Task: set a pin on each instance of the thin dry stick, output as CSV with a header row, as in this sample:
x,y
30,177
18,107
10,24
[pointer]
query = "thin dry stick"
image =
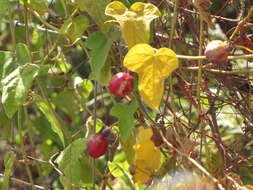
x,y
194,162
241,24
24,182
199,83
187,57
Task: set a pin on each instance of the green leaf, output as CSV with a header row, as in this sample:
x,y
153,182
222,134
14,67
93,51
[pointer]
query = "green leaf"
x,y
43,127
100,46
16,86
83,87
50,115
125,115
5,63
119,165
8,164
5,122
38,5
73,28
70,165
96,9
65,101
23,54
4,5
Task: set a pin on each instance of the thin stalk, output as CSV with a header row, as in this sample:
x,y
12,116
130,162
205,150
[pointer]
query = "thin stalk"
x,y
12,28
173,23
23,148
199,81
51,50
26,25
94,131
64,4
46,23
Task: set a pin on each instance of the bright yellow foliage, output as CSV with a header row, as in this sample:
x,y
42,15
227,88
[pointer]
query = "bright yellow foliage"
x,y
152,66
147,156
134,22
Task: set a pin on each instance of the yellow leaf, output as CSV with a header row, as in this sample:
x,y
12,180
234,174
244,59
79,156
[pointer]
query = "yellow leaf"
x,y
134,22
152,66
147,158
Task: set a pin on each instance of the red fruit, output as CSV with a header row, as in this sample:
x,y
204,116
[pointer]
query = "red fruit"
x,y
97,145
148,182
121,84
156,137
217,51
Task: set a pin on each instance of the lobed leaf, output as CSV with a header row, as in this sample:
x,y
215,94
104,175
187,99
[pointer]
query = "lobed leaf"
x,y
148,157
134,22
73,168
125,115
100,46
152,66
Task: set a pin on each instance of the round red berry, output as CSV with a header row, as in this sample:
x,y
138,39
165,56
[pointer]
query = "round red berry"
x,y
97,145
121,84
217,51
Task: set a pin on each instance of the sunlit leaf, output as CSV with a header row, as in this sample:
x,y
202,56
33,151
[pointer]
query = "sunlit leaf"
x,y
16,86
134,22
119,166
152,66
6,64
83,87
147,159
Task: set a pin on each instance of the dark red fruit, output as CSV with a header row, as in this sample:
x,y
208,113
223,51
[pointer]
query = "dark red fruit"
x,y
217,51
97,145
121,84
148,182
156,137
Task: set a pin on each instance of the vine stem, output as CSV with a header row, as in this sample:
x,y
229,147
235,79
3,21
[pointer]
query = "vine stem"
x,y
173,23
12,28
28,171
46,23
241,23
172,31
202,57
26,25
